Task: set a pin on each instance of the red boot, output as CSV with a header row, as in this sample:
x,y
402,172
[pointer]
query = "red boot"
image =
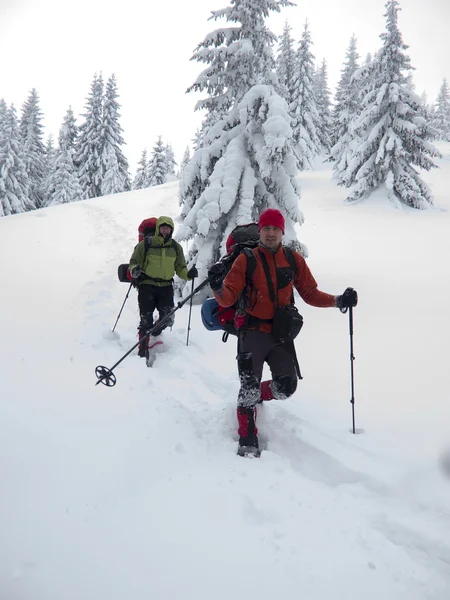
x,y
248,432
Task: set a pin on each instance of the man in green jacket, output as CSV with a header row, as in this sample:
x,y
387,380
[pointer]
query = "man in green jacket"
x,y
153,264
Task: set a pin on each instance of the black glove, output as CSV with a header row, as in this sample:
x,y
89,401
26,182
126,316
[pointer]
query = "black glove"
x,y
135,272
216,275
192,273
348,299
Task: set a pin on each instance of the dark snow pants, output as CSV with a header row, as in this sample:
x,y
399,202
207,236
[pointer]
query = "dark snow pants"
x,y
254,349
151,297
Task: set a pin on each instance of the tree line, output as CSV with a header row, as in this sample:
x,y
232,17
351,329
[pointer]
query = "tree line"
x,y
266,118
88,160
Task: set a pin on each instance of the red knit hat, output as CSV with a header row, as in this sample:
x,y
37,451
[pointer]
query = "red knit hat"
x,y
271,217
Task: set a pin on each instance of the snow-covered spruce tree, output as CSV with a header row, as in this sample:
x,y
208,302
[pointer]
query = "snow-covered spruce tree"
x,y
112,182
323,103
306,120
113,141
31,136
197,139
426,111
185,160
63,184
285,64
141,180
3,115
157,167
441,119
50,157
424,101
13,174
90,142
238,56
393,136
68,133
346,100
256,169
171,163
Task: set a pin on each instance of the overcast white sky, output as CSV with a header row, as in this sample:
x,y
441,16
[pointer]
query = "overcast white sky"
x,y
56,46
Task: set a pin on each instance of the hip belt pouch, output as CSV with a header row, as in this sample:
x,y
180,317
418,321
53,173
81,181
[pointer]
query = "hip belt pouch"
x,y
287,323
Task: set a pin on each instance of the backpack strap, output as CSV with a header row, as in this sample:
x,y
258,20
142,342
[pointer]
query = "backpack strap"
x,y
272,294
251,264
291,259
147,243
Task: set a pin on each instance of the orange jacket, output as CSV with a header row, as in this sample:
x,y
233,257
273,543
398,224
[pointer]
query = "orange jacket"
x,y
259,303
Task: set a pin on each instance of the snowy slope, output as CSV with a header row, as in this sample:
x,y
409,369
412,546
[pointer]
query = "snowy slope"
x,y
136,492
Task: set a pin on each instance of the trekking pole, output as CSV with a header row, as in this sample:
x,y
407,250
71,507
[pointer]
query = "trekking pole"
x,y
126,297
106,376
190,312
352,358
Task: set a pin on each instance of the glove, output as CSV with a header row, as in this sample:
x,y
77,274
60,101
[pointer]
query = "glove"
x,y
348,299
216,275
192,273
135,272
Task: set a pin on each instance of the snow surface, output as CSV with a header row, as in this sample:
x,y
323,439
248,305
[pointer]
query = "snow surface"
x,y
136,491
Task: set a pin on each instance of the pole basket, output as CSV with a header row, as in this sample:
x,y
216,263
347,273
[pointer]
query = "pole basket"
x,y
105,376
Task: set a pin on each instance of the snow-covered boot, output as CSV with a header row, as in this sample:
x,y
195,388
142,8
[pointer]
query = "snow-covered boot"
x,y
248,432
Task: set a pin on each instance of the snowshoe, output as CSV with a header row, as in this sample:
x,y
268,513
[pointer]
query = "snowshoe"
x,y
248,446
151,351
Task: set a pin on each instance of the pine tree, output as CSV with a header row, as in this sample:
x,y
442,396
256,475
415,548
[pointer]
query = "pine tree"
x,y
90,142
157,167
50,157
63,185
171,163
346,110
68,134
246,162
185,160
285,64
424,101
112,180
141,179
197,139
13,175
306,120
31,136
393,136
323,103
441,120
237,57
346,98
113,140
3,116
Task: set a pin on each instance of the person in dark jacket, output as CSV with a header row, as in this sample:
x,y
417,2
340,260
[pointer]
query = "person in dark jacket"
x,y
153,265
256,343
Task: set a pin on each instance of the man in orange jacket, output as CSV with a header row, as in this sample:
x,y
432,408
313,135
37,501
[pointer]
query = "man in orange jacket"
x,y
270,288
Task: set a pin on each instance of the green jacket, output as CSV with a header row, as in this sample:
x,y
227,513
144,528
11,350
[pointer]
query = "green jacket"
x,y
162,260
